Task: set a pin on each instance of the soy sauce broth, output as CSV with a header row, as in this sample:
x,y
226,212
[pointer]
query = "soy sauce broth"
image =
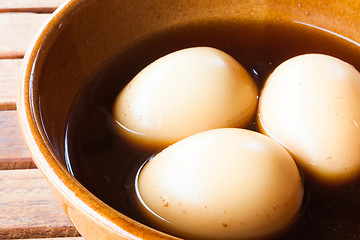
x,y
106,165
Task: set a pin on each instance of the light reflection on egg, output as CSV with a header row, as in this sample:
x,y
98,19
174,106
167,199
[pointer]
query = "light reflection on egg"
x,y
183,93
311,105
221,184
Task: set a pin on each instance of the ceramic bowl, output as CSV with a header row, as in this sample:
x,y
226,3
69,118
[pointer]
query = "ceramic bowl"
x,y
81,35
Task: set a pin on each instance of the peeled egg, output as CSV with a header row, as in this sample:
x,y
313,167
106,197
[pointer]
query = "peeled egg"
x,y
183,93
221,184
311,105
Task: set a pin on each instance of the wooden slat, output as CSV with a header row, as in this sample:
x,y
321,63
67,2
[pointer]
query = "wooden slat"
x,y
39,6
13,151
29,209
9,77
65,238
16,32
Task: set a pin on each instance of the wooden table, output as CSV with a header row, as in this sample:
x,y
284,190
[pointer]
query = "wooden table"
x,y
28,210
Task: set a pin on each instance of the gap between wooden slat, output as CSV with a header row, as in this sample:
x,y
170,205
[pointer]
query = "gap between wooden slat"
x,y
29,209
13,151
38,6
9,78
17,31
32,10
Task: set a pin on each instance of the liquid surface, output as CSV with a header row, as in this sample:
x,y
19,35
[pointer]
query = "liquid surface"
x,y
106,165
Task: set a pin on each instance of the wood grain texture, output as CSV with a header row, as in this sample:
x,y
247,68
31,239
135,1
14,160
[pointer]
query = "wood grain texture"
x,y
13,151
38,6
16,32
65,238
29,209
9,77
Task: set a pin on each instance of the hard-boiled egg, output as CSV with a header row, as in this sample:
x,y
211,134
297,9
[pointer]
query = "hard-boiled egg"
x,y
311,105
183,93
221,184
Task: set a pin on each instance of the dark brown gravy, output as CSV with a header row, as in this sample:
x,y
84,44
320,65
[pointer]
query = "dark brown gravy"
x,y
106,165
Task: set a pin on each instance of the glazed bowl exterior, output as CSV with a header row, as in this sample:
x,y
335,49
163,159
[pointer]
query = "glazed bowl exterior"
x,y
81,35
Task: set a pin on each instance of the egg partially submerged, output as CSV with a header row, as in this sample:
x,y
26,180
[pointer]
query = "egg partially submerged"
x,y
311,105
183,93
221,184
